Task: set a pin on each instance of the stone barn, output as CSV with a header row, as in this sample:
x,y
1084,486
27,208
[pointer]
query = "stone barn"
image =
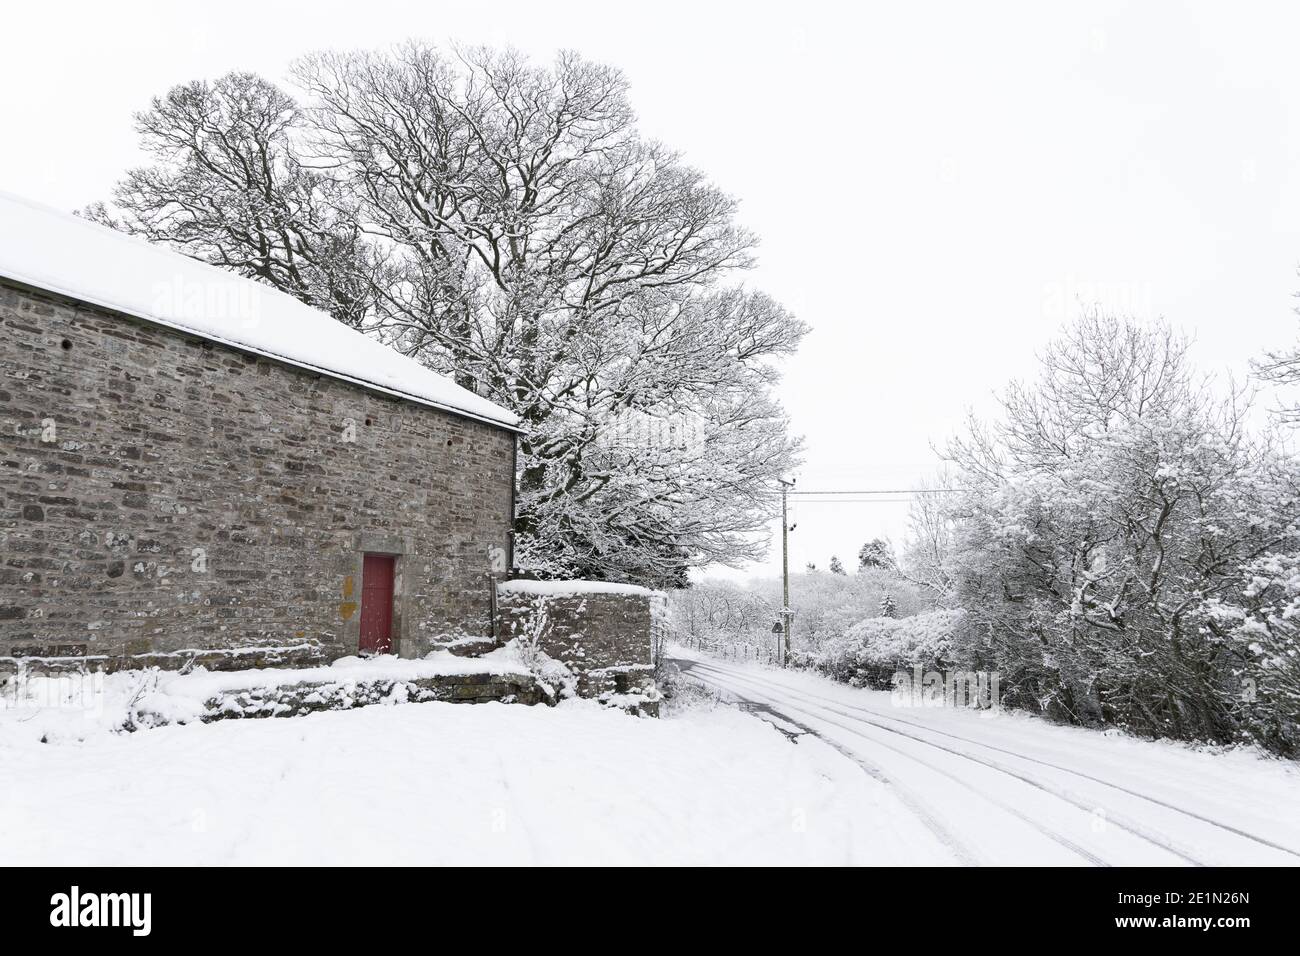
x,y
196,467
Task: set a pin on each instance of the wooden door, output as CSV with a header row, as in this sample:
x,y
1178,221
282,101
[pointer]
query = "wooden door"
x,y
377,604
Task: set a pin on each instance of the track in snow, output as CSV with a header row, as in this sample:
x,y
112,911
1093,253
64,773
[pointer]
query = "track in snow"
x,y
1008,808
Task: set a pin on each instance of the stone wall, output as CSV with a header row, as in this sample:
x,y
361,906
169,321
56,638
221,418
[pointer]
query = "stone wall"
x,y
603,633
294,700
162,494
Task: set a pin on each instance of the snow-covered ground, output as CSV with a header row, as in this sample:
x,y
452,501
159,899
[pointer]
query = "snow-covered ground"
x,y
814,773
1009,788
443,783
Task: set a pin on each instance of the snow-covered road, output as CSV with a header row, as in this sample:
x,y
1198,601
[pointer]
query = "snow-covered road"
x,y
1006,788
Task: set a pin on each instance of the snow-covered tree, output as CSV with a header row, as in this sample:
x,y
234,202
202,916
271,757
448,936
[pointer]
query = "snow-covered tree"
x,y
825,605
1106,517
505,223
1282,368
836,566
1260,625
888,606
876,553
927,550
231,187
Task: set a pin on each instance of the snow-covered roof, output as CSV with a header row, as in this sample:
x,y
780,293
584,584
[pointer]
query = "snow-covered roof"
x,y
60,253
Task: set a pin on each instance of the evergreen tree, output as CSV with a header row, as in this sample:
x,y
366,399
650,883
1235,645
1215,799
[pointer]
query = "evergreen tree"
x,y
876,553
888,606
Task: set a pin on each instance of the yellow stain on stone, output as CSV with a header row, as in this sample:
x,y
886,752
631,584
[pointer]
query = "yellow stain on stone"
x,y
348,607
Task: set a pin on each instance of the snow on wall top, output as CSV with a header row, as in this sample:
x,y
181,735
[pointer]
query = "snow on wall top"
x,y
204,685
58,252
568,588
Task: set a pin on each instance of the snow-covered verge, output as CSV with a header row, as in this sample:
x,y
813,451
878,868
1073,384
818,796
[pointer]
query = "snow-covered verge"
x,y
445,784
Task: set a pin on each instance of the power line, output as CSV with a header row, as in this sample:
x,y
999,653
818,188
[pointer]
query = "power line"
x,y
856,501
882,491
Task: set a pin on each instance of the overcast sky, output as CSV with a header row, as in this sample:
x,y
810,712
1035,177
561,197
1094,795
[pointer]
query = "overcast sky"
x,y
936,186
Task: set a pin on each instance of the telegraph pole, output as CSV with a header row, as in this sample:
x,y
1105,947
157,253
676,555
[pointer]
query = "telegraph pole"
x,y
785,569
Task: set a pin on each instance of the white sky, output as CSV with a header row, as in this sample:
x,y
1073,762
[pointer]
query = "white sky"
x,y
935,185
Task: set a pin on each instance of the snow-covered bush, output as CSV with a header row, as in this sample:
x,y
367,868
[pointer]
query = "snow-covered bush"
x,y
1261,624
681,693
870,652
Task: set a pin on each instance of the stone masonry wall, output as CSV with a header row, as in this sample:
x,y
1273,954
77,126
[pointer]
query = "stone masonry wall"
x,y
161,494
606,639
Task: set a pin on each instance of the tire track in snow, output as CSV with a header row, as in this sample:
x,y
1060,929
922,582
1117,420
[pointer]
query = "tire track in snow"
x,y
1130,826
910,800
932,822
1125,823
808,695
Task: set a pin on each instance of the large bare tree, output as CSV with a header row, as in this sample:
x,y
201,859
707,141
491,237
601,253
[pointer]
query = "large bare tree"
x,y
505,223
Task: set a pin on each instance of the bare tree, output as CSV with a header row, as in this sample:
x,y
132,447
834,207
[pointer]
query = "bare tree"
x,y
506,224
927,551
1282,368
230,188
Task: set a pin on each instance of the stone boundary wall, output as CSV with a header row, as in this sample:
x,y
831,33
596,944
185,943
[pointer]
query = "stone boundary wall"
x,y
292,700
601,632
233,659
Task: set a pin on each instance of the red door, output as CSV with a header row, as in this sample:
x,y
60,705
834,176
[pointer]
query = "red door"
x,y
377,604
